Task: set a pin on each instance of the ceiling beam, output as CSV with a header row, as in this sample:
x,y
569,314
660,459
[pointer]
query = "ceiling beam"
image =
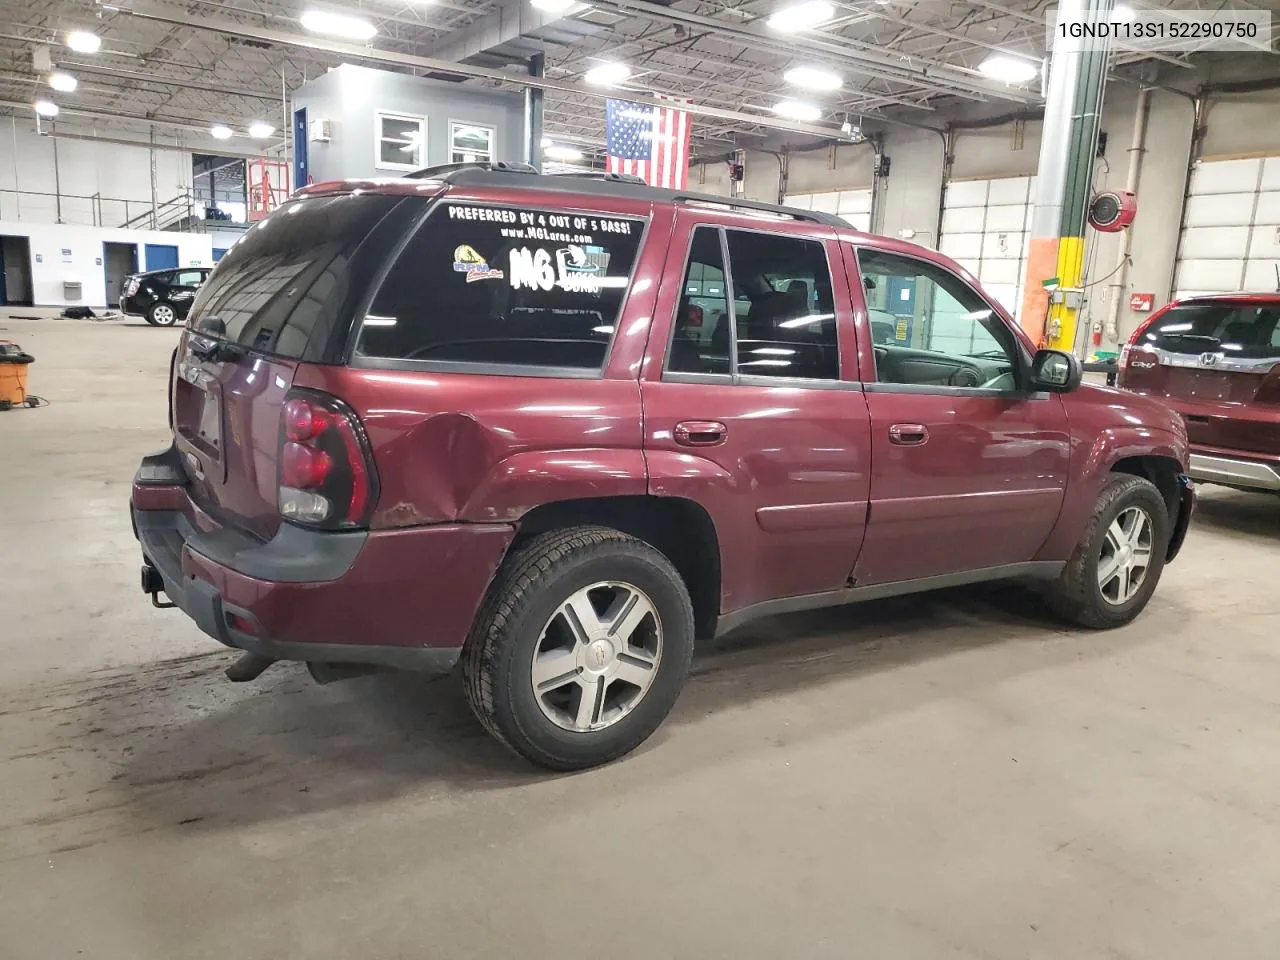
x,y
403,61
954,80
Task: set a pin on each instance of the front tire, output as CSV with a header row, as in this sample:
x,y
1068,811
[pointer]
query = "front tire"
x,y
580,648
1117,564
162,314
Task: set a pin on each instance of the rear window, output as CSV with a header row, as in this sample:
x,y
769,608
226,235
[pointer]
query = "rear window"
x,y
1248,331
512,287
289,276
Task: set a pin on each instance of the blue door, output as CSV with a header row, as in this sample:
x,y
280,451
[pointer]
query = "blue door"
x,y
219,253
161,256
300,169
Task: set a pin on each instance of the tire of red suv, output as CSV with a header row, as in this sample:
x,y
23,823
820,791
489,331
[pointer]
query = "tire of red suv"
x,y
1117,564
580,648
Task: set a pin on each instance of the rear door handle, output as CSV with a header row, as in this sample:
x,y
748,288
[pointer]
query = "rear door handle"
x,y
700,433
909,434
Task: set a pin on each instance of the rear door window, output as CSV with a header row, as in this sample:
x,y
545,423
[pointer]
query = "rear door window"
x,y
1244,331
290,277
517,289
773,317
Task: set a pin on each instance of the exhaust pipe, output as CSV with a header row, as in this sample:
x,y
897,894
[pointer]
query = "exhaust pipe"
x,y
248,667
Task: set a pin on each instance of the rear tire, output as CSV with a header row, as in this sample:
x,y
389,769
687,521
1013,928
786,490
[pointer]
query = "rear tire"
x,y
580,648
162,314
1117,564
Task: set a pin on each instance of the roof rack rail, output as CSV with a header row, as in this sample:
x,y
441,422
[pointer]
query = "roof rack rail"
x,y
493,166
608,184
602,175
777,209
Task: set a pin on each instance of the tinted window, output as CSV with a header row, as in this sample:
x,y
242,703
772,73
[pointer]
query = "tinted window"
x,y
1247,331
505,285
775,314
931,328
189,278
701,340
288,275
165,279
788,328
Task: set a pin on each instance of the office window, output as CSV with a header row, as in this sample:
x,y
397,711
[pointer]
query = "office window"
x,y
401,141
470,142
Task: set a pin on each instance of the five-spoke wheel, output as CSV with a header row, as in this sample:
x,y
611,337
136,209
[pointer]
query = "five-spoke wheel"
x,y
1126,555
581,647
597,656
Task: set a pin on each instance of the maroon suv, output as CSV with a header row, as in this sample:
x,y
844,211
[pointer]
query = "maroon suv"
x,y
1216,359
561,427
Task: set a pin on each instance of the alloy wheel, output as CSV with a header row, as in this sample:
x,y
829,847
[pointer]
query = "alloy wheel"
x,y
597,656
1126,555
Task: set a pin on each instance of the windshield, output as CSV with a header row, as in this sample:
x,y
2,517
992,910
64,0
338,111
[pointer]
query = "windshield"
x,y
1245,330
289,276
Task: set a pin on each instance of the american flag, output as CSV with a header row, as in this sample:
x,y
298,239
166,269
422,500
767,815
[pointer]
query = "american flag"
x,y
648,141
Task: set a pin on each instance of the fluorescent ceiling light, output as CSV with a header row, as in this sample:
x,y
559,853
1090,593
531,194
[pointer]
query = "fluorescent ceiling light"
x,y
46,108
813,78
795,110
338,25
552,6
220,131
1009,69
1123,14
82,41
569,154
607,74
62,81
802,16
260,130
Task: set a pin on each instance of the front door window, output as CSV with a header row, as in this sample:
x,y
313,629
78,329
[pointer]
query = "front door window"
x,y
932,329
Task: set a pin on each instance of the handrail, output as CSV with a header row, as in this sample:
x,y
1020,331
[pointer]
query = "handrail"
x,y
178,212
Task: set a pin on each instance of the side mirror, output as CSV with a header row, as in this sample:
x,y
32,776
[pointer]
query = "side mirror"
x,y
1055,371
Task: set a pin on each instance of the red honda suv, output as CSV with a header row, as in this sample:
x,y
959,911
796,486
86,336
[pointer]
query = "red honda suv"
x,y
558,428
1216,360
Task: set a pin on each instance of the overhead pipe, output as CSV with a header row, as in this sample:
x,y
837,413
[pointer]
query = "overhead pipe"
x,y
966,83
466,70
1137,148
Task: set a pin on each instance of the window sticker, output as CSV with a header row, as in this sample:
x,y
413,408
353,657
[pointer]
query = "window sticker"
x,y
542,227
575,268
466,259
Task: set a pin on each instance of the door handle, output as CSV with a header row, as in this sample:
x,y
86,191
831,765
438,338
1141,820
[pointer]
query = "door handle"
x,y
909,434
700,433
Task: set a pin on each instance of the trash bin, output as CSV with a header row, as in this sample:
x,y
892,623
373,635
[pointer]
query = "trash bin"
x,y
13,374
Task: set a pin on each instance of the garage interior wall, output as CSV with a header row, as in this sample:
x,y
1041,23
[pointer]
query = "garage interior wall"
x,y
114,172
1002,157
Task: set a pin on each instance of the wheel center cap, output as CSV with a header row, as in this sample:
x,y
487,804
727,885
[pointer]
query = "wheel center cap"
x,y
598,656
1125,555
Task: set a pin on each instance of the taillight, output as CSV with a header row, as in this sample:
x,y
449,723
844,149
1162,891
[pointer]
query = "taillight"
x,y
131,287
1126,352
325,468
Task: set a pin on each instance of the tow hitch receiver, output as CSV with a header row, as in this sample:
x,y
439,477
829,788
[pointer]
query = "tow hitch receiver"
x,y
153,584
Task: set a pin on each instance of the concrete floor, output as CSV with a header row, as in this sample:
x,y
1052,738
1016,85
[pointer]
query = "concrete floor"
x,y
952,776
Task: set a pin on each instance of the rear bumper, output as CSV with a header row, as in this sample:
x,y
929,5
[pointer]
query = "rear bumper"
x,y
1235,471
401,598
